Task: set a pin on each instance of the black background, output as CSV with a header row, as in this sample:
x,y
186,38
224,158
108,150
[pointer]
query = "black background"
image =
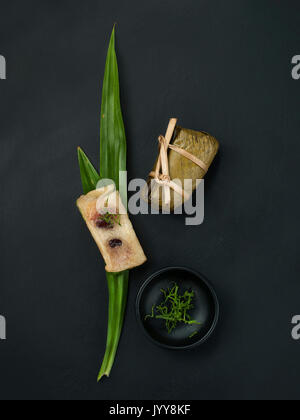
x,y
220,66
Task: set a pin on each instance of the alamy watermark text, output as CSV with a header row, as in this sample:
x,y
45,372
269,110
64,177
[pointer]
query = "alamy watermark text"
x,y
296,67
2,67
2,328
139,202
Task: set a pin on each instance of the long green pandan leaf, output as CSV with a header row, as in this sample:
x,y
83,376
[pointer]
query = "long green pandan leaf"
x,y
112,161
113,150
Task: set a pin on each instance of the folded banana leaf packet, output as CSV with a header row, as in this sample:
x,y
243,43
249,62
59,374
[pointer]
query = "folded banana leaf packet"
x,y
184,154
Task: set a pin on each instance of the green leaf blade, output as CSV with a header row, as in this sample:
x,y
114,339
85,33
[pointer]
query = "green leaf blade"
x,y
113,148
89,175
113,155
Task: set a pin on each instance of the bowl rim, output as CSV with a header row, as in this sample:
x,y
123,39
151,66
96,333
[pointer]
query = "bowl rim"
x,y
202,278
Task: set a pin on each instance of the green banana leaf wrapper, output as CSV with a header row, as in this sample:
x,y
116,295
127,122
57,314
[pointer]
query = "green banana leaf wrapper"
x,y
198,143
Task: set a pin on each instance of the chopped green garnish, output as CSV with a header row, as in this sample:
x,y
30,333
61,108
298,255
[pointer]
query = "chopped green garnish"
x,y
111,219
174,309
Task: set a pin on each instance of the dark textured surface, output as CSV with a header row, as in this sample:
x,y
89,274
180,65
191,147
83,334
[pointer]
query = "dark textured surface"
x,y
219,66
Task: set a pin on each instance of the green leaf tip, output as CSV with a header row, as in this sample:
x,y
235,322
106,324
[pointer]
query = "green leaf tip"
x,y
102,376
89,175
113,37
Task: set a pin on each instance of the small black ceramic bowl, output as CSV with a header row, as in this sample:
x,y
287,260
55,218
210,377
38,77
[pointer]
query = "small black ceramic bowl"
x,y
206,308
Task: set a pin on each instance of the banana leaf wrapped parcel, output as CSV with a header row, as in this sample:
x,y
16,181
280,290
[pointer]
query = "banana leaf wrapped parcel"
x,y
184,155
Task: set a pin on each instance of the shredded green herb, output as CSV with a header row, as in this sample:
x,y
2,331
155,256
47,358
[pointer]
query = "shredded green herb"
x,y
174,309
111,219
